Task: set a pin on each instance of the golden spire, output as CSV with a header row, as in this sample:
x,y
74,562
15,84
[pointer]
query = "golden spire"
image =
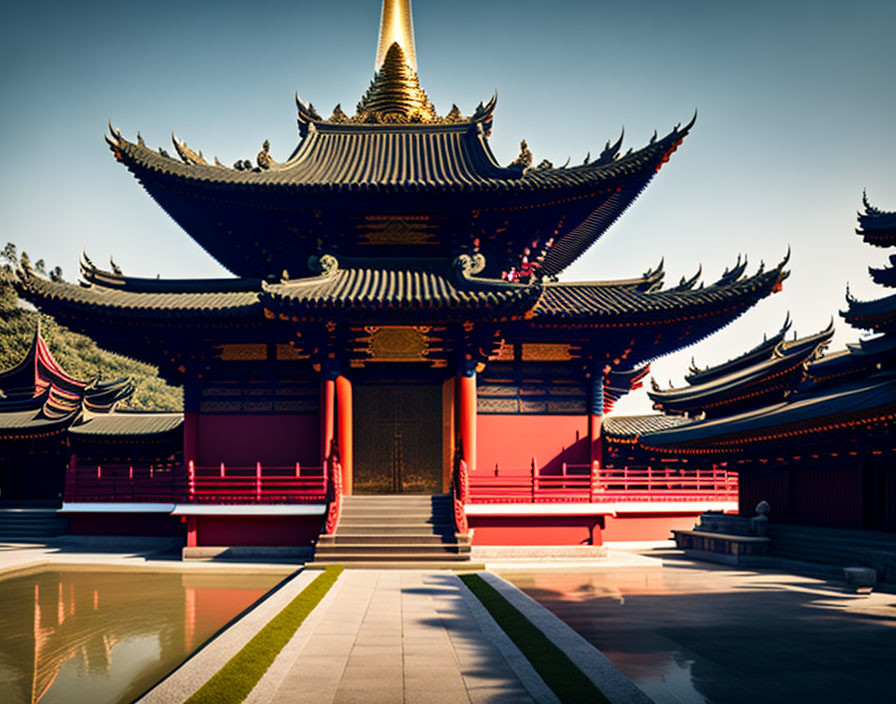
x,y
396,25
395,94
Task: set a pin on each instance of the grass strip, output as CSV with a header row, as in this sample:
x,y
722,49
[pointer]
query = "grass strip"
x,y
559,673
234,681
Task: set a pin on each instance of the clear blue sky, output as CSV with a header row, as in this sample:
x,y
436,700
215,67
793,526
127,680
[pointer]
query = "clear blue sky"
x,y
797,107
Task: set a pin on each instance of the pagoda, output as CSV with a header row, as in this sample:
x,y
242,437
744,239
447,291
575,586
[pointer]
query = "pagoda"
x,y
395,303
40,403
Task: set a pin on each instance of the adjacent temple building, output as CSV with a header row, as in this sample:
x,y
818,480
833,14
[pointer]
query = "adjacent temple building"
x,y
394,324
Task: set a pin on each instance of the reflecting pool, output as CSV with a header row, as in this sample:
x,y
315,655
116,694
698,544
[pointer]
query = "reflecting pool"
x,y
695,632
73,635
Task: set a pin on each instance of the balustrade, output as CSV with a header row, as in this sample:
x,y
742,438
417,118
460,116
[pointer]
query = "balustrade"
x,y
584,483
199,484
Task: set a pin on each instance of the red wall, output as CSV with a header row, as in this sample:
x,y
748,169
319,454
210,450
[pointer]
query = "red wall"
x,y
510,441
290,531
536,530
137,524
647,526
243,440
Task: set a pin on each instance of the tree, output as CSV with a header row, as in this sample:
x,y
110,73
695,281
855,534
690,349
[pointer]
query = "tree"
x,y
9,255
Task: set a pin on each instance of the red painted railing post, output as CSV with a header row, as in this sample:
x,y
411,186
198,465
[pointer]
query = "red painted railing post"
x,y
221,470
99,472
298,470
258,482
191,480
592,488
460,488
534,480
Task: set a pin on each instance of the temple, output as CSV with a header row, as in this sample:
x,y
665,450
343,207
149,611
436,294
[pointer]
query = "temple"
x,y
809,435
395,325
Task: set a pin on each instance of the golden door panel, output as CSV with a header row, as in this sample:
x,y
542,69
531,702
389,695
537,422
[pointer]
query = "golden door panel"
x,y
397,439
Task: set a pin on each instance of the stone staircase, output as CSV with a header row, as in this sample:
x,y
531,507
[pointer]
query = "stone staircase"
x,y
30,524
401,531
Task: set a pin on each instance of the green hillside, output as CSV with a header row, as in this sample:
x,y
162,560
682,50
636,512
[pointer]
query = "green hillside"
x,y
78,355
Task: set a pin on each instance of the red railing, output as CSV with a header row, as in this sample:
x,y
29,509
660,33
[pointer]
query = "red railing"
x,y
578,483
221,484
123,483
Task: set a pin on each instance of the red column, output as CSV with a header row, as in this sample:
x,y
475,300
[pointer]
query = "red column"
x,y
327,417
344,430
191,531
466,402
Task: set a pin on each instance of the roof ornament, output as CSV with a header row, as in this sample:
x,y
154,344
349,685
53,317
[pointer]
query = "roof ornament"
x,y
524,160
467,265
323,264
395,94
187,155
264,158
115,268
869,209
338,114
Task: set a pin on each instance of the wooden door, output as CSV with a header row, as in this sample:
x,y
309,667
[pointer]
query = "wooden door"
x,y
397,439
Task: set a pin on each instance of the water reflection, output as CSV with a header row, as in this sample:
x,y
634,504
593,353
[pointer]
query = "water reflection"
x,y
112,634
694,632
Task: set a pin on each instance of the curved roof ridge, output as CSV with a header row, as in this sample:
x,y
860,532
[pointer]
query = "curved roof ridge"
x,y
766,348
116,280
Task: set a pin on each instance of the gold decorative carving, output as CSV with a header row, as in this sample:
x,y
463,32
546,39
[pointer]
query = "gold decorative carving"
x,y
397,344
397,229
504,353
546,352
525,157
244,353
288,353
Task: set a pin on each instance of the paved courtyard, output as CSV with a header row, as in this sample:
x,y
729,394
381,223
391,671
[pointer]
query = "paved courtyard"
x,y
394,636
691,631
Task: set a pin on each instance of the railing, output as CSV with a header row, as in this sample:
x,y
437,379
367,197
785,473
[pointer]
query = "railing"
x,y
460,491
221,484
258,484
334,491
123,483
579,483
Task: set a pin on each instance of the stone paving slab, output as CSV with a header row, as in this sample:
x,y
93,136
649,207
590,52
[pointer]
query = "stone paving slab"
x,y
400,636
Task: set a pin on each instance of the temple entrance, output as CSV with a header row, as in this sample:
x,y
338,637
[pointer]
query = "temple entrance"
x,y
397,439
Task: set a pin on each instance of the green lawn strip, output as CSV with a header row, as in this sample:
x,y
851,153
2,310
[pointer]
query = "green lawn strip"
x,y
234,681
559,673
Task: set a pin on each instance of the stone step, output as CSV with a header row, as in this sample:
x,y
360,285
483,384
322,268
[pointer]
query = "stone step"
x,y
395,529
391,548
402,565
388,538
27,523
370,556
392,517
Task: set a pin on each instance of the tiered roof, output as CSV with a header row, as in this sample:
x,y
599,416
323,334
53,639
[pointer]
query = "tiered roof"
x,y
397,215
849,390
771,376
38,397
398,177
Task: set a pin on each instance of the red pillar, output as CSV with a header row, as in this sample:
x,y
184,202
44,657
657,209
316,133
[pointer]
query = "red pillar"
x,y
327,417
344,430
191,531
466,402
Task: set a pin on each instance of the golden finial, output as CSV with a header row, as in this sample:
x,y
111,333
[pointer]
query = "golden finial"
x,y
395,94
396,25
